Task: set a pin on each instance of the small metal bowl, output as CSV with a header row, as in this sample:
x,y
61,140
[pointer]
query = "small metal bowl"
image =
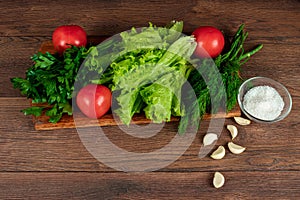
x,y
263,81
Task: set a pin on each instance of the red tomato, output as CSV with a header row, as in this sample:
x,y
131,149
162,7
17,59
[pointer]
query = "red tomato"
x,y
210,41
94,100
65,35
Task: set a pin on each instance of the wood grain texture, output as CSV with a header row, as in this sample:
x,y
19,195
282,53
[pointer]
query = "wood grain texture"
x,y
190,185
269,147
55,164
40,18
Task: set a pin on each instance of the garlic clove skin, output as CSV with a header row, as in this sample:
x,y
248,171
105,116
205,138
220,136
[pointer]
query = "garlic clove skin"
x,y
233,131
235,149
219,153
218,180
209,139
242,121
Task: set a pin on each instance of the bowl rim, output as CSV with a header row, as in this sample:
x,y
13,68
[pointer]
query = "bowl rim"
x,y
280,117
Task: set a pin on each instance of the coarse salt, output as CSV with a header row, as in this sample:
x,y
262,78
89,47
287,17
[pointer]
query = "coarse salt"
x,y
263,102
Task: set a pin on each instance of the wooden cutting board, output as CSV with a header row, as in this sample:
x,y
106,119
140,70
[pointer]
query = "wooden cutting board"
x,y
41,122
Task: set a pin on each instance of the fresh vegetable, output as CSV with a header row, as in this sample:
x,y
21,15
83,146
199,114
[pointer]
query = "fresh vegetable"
x,y
210,41
218,180
219,153
229,66
235,148
51,80
233,131
209,139
65,36
242,121
149,74
94,100
148,71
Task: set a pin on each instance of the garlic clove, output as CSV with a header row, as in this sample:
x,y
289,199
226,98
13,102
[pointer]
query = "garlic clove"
x,y
209,138
218,180
235,149
242,121
219,153
233,131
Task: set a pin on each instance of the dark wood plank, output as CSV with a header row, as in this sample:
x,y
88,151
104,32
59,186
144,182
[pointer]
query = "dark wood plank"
x,y
39,18
56,165
15,59
269,147
190,185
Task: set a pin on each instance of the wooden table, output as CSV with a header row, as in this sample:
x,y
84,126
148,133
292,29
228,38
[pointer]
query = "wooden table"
x,y
56,165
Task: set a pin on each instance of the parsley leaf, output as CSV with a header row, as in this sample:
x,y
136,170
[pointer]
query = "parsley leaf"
x,y
50,80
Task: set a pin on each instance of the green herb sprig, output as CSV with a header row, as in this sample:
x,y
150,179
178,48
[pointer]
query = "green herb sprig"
x,y
229,65
50,82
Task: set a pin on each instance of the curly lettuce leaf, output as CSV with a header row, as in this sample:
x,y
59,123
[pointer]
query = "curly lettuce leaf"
x,y
159,84
148,69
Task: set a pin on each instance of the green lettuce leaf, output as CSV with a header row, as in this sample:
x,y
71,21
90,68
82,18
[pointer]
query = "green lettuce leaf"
x,y
147,71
